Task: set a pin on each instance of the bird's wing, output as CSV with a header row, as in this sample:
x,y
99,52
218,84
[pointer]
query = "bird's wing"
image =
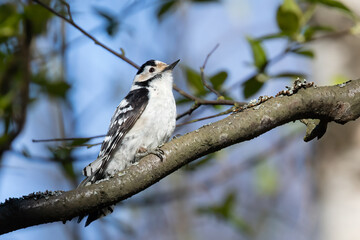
x,y
124,118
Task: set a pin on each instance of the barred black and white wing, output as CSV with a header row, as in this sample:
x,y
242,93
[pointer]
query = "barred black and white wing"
x,y
124,118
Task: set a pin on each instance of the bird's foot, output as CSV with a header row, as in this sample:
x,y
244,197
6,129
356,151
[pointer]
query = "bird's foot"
x,y
142,152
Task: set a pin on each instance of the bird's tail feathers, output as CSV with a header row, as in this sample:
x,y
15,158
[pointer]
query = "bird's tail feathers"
x,y
92,216
93,167
93,174
96,215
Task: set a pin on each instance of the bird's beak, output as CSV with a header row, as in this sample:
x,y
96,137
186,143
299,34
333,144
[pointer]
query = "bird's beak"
x,y
171,66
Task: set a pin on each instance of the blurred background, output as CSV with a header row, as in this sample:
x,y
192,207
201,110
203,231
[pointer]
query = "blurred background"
x,y
57,83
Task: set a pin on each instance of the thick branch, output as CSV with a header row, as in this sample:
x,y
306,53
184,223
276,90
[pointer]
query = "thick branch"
x,y
339,103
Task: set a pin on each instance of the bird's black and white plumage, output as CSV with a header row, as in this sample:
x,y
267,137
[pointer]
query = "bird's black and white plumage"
x,y
144,120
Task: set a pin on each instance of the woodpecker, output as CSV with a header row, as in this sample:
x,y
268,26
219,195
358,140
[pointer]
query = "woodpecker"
x,y
143,121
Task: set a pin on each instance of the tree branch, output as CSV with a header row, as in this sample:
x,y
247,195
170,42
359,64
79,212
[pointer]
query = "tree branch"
x,y
67,139
202,74
72,23
198,101
340,103
230,110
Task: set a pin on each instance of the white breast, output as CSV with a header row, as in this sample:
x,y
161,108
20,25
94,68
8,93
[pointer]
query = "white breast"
x,y
159,117
154,127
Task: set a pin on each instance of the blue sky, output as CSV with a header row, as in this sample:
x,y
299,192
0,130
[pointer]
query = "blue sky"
x,y
100,80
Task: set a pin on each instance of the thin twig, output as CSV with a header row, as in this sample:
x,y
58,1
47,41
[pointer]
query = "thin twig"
x,y
68,9
66,139
209,54
185,94
202,74
205,118
188,112
204,101
70,21
221,102
83,145
198,101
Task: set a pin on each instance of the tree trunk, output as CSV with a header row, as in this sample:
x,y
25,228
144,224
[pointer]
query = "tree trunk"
x,y
337,158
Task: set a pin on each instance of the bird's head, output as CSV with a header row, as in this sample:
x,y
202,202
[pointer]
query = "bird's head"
x,y
152,68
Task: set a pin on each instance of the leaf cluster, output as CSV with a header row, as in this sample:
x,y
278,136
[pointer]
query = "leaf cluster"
x,y
23,72
293,19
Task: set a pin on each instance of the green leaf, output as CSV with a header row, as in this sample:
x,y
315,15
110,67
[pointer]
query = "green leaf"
x,y
194,80
68,167
252,85
9,21
112,23
6,11
258,52
78,142
218,79
226,211
38,16
165,7
305,53
289,75
223,209
4,139
168,6
56,88
63,155
271,36
6,102
267,179
335,4
312,30
288,17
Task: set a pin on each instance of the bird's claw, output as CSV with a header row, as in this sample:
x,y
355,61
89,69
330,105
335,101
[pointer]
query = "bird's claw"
x,y
157,152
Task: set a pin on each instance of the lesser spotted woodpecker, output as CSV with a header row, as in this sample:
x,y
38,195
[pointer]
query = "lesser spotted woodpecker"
x,y
144,120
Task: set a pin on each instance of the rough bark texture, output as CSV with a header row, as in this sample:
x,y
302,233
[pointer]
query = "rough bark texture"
x,y
339,103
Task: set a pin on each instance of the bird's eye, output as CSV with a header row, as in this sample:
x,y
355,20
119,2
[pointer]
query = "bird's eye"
x,y
152,70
